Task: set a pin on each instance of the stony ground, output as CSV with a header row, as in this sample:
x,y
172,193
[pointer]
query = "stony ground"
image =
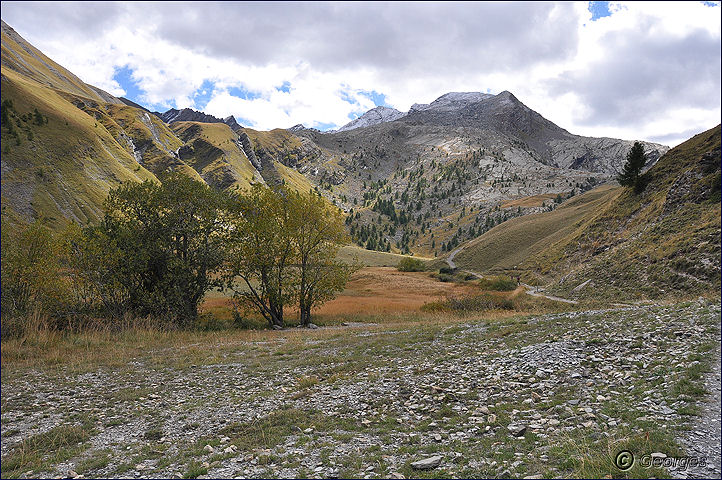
x,y
554,395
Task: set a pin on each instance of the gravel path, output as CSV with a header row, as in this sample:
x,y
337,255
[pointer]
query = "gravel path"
x,y
704,439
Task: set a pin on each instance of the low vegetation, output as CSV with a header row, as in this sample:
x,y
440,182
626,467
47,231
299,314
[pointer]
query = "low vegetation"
x,y
498,283
410,264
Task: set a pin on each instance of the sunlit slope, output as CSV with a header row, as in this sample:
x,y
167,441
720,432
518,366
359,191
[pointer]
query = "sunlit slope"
x,y
277,151
66,143
212,149
145,136
58,163
512,243
22,57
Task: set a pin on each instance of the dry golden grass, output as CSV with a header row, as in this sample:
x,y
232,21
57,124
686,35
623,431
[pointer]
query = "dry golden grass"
x,y
372,290
371,258
377,290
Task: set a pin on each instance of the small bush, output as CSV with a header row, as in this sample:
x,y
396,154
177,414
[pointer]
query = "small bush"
x,y
447,270
409,264
471,304
498,284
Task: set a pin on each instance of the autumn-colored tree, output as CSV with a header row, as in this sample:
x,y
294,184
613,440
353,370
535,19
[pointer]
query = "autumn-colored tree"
x,y
283,249
318,232
171,239
30,268
261,251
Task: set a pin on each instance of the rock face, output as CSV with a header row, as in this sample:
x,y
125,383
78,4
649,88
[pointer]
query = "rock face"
x,y
230,120
606,155
190,115
187,115
373,117
245,145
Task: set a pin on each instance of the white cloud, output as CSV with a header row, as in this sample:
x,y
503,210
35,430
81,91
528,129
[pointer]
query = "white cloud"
x,y
647,71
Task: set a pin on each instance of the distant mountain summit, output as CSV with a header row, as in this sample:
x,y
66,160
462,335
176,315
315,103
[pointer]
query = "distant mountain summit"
x,y
374,116
451,101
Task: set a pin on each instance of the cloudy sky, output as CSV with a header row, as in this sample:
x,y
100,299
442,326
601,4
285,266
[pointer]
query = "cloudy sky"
x,y
628,70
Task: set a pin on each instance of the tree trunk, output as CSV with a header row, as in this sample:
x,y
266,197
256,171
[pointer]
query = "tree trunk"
x,y
305,315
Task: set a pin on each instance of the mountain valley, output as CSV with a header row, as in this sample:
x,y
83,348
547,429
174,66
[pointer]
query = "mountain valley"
x,y
488,298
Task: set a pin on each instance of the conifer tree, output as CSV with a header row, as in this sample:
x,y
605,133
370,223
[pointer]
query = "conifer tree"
x,y
631,172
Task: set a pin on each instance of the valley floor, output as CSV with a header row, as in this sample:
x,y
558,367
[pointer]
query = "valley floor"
x,y
492,396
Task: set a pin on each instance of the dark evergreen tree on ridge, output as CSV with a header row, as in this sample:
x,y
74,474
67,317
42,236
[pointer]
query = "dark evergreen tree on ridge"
x,y
631,175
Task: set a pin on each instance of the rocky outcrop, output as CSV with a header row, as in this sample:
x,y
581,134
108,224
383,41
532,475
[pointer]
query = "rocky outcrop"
x,y
604,155
247,147
450,101
231,122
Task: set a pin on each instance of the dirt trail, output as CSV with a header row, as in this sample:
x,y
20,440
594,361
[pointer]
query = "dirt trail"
x,y
533,291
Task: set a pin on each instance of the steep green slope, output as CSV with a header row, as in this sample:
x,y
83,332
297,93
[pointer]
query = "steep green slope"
x,y
513,242
662,242
58,163
20,56
212,149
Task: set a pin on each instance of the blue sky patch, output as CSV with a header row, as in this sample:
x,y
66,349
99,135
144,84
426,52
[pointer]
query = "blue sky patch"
x,y
324,126
346,97
599,10
286,87
379,99
123,76
244,122
202,95
241,92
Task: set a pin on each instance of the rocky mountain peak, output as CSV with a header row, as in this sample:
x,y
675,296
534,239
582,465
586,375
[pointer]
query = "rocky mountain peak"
x,y
230,120
374,116
451,101
187,115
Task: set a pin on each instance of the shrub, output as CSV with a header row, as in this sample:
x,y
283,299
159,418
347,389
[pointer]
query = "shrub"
x,y
31,277
475,303
409,264
498,284
447,270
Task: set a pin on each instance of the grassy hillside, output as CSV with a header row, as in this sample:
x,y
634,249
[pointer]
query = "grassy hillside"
x,y
371,258
211,149
513,242
66,143
20,56
58,163
615,244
